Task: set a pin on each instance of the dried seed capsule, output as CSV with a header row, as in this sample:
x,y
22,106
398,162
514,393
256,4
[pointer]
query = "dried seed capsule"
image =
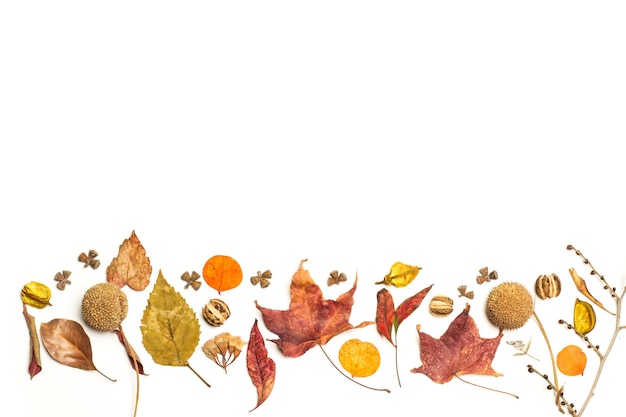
x,y
36,294
441,306
215,312
548,286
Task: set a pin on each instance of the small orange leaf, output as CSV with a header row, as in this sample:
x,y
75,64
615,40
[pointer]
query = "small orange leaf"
x,y
222,273
571,360
359,358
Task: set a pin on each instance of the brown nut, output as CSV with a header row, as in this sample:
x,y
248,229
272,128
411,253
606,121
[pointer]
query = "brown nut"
x,y
441,306
215,312
548,286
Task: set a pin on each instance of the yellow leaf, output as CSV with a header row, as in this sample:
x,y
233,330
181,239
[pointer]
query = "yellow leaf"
x,y
584,317
169,327
36,294
400,275
571,360
359,358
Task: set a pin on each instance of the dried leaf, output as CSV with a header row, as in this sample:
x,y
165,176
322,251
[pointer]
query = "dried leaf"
x,y
67,343
135,362
582,287
385,314
584,317
261,368
360,359
36,294
400,275
387,317
131,266
169,327
35,351
571,360
222,273
459,351
311,319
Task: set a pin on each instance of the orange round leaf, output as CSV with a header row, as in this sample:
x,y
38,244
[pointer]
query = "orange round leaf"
x,y
359,358
222,273
571,360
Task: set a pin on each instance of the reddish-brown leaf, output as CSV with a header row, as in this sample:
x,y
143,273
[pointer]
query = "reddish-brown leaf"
x,y
131,266
135,362
408,306
261,368
459,351
35,352
311,319
388,317
67,343
385,314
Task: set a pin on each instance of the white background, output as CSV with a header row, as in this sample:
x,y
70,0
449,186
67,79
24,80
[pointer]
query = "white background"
x,y
451,135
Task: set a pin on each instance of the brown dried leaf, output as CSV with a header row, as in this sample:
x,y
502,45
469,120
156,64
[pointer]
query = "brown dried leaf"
x,y
261,368
131,266
67,343
581,285
459,351
35,351
311,319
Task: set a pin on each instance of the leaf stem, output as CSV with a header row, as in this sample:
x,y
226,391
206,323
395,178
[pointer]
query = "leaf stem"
x,y
346,376
110,379
545,336
487,388
198,375
395,345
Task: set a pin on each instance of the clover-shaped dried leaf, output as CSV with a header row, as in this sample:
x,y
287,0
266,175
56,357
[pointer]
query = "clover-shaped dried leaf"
x,y
131,266
360,359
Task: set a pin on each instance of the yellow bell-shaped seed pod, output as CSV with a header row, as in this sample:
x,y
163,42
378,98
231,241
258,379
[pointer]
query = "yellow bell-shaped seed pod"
x,y
400,275
584,317
36,294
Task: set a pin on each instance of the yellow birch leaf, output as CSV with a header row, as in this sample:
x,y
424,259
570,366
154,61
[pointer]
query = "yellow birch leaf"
x,y
169,327
359,358
400,275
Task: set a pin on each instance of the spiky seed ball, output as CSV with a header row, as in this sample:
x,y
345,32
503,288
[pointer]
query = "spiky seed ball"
x,y
509,305
104,307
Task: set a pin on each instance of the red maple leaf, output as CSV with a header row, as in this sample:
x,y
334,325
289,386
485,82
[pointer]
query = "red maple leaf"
x,y
311,319
459,351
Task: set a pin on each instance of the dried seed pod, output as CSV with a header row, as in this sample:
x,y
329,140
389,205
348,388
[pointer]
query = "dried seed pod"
x,y
215,312
548,286
509,306
441,306
104,307
36,294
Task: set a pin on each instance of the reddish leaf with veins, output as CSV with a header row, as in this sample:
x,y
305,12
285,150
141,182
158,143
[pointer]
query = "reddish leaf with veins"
x,y
459,351
311,319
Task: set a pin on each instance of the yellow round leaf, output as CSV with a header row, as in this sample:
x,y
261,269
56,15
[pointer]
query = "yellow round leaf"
x,y
359,358
571,360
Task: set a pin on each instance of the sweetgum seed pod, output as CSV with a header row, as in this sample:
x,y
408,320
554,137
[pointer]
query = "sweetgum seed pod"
x,y
104,306
509,306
